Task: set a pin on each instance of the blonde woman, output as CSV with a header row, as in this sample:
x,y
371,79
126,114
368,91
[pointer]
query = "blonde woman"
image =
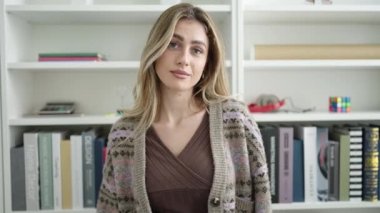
x,y
185,146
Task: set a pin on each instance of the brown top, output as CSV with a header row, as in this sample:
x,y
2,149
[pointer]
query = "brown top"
x,y
183,183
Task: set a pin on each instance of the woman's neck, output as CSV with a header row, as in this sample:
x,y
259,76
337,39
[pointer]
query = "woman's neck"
x,y
176,107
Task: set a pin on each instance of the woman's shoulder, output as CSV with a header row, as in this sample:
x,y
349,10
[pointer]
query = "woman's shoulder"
x,y
121,130
234,105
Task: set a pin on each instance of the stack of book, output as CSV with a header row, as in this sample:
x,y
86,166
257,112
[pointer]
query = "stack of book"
x,y
79,56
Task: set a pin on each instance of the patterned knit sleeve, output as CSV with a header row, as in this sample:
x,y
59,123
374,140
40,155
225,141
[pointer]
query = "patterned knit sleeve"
x,y
258,165
107,199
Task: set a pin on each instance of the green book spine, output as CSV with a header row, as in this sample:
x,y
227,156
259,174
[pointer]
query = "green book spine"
x,y
46,170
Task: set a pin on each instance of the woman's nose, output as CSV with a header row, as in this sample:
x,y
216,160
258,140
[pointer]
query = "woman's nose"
x,y
183,58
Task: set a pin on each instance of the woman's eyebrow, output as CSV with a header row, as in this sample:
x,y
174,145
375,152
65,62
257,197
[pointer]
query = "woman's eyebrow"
x,y
181,38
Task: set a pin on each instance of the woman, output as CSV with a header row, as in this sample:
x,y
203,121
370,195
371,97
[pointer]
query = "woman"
x,y
185,146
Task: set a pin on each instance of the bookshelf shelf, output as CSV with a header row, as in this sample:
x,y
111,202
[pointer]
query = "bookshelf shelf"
x,y
101,14
316,116
62,211
59,66
327,206
312,64
51,120
103,66
312,14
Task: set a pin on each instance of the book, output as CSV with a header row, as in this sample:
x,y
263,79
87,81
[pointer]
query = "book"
x,y
46,170
321,146
18,178
308,134
44,59
311,52
270,140
71,54
89,194
32,188
356,163
66,174
371,164
298,174
342,136
285,171
57,137
333,170
98,163
77,171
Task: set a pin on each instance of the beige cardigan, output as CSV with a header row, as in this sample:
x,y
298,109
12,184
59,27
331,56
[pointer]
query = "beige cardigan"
x,y
240,172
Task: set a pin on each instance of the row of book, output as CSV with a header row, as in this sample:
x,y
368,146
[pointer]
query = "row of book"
x,y
55,170
74,56
316,163
314,52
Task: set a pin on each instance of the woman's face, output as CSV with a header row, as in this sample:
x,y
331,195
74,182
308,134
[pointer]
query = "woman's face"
x,y
181,66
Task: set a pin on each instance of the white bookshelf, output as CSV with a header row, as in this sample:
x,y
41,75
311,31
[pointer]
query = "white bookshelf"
x,y
119,31
309,83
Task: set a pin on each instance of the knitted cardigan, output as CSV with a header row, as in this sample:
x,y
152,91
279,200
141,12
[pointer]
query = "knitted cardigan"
x,y
240,182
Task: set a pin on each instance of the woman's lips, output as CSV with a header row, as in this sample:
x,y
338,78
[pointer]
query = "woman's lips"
x,y
180,74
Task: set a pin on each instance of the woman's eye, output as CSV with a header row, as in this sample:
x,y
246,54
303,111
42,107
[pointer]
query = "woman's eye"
x,y
173,44
197,51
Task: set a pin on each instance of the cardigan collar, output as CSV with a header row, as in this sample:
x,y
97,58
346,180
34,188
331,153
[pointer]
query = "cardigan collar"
x,y
218,152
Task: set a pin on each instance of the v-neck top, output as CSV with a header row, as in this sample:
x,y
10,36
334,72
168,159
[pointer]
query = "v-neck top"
x,y
179,183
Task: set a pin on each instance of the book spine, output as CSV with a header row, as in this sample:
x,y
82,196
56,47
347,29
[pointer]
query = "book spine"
x,y
344,174
333,171
88,169
57,180
298,179
18,178
371,164
98,152
77,172
31,171
69,59
73,54
66,174
46,170
322,146
355,164
310,163
286,165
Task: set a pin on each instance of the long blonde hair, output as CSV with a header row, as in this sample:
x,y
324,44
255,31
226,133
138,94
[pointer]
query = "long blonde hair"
x,y
213,86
